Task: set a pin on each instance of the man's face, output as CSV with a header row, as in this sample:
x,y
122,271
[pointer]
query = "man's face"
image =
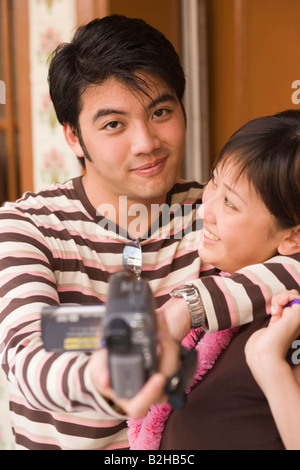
x,y
136,144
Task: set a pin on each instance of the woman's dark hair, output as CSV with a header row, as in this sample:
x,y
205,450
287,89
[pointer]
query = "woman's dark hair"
x,y
112,46
267,151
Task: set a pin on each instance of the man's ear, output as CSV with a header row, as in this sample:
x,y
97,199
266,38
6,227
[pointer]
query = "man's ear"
x,y
72,140
290,245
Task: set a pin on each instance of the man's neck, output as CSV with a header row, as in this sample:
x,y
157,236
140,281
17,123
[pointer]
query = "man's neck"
x,y
133,216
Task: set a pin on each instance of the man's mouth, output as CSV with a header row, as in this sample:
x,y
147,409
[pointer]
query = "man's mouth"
x,y
151,167
210,235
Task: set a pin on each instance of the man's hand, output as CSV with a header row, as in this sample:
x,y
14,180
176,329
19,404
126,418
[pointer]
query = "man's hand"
x,y
153,389
177,317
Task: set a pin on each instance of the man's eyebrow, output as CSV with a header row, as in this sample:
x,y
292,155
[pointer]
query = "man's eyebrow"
x,y
106,112
162,99
154,102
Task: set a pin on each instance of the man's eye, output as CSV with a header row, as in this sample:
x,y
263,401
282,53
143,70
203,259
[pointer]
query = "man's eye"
x,y
161,112
113,125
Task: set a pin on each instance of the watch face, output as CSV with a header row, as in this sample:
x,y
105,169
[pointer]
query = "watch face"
x,y
178,293
189,290
184,290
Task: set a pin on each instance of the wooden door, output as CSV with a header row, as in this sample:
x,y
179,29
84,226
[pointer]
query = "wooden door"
x,y
254,62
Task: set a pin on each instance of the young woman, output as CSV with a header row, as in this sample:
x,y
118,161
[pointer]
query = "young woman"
x,y
251,213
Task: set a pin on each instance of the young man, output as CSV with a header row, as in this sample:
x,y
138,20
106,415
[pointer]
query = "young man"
x,y
117,88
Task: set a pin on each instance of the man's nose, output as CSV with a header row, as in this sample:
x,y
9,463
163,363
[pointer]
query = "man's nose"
x,y
145,140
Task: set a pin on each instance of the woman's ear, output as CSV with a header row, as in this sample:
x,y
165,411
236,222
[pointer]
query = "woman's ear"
x,y
72,140
290,245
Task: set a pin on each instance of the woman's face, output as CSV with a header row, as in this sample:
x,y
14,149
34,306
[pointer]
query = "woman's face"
x,y
238,229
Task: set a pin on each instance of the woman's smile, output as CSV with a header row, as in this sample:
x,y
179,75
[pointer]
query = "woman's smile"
x,y
210,236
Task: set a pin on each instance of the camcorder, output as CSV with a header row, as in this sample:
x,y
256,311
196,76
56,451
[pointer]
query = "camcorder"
x,y
126,326
130,333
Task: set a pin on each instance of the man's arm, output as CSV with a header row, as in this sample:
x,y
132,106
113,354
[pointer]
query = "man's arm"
x,y
69,381
57,382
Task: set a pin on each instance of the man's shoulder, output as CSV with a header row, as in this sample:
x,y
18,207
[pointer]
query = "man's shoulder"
x,y
60,198
55,193
184,192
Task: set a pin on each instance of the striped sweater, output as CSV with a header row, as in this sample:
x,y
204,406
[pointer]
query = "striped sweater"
x,y
55,248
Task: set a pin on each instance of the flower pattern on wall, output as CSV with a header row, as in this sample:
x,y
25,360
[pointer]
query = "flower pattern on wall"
x,y
49,41
49,3
54,167
51,23
47,111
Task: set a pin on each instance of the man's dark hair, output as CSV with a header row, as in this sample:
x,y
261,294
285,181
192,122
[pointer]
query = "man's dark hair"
x,y
114,46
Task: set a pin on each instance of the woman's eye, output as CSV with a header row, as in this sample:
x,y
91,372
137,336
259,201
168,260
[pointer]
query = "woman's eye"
x,y
228,203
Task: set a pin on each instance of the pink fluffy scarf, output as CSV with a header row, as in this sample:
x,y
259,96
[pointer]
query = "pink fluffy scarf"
x,y
145,433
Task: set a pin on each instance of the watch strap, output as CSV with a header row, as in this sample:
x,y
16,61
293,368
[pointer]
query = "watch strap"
x,y
194,302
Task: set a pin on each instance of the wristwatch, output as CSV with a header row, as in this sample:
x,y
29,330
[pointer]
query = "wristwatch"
x,y
191,295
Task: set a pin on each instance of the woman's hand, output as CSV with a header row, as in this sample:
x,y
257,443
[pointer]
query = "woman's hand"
x,y
265,354
266,349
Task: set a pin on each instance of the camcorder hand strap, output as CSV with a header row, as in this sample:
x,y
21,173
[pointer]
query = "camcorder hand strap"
x,y
177,383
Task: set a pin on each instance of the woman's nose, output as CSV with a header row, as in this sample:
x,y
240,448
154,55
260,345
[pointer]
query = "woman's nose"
x,y
208,208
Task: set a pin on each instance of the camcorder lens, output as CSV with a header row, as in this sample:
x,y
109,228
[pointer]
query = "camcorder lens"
x,y
118,336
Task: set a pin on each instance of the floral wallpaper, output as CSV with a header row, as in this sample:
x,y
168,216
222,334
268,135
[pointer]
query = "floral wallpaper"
x,y
51,22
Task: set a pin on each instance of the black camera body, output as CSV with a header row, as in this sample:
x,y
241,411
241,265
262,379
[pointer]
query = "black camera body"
x,y
126,325
129,331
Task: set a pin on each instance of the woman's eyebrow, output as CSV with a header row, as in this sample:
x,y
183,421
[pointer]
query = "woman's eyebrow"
x,y
232,190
